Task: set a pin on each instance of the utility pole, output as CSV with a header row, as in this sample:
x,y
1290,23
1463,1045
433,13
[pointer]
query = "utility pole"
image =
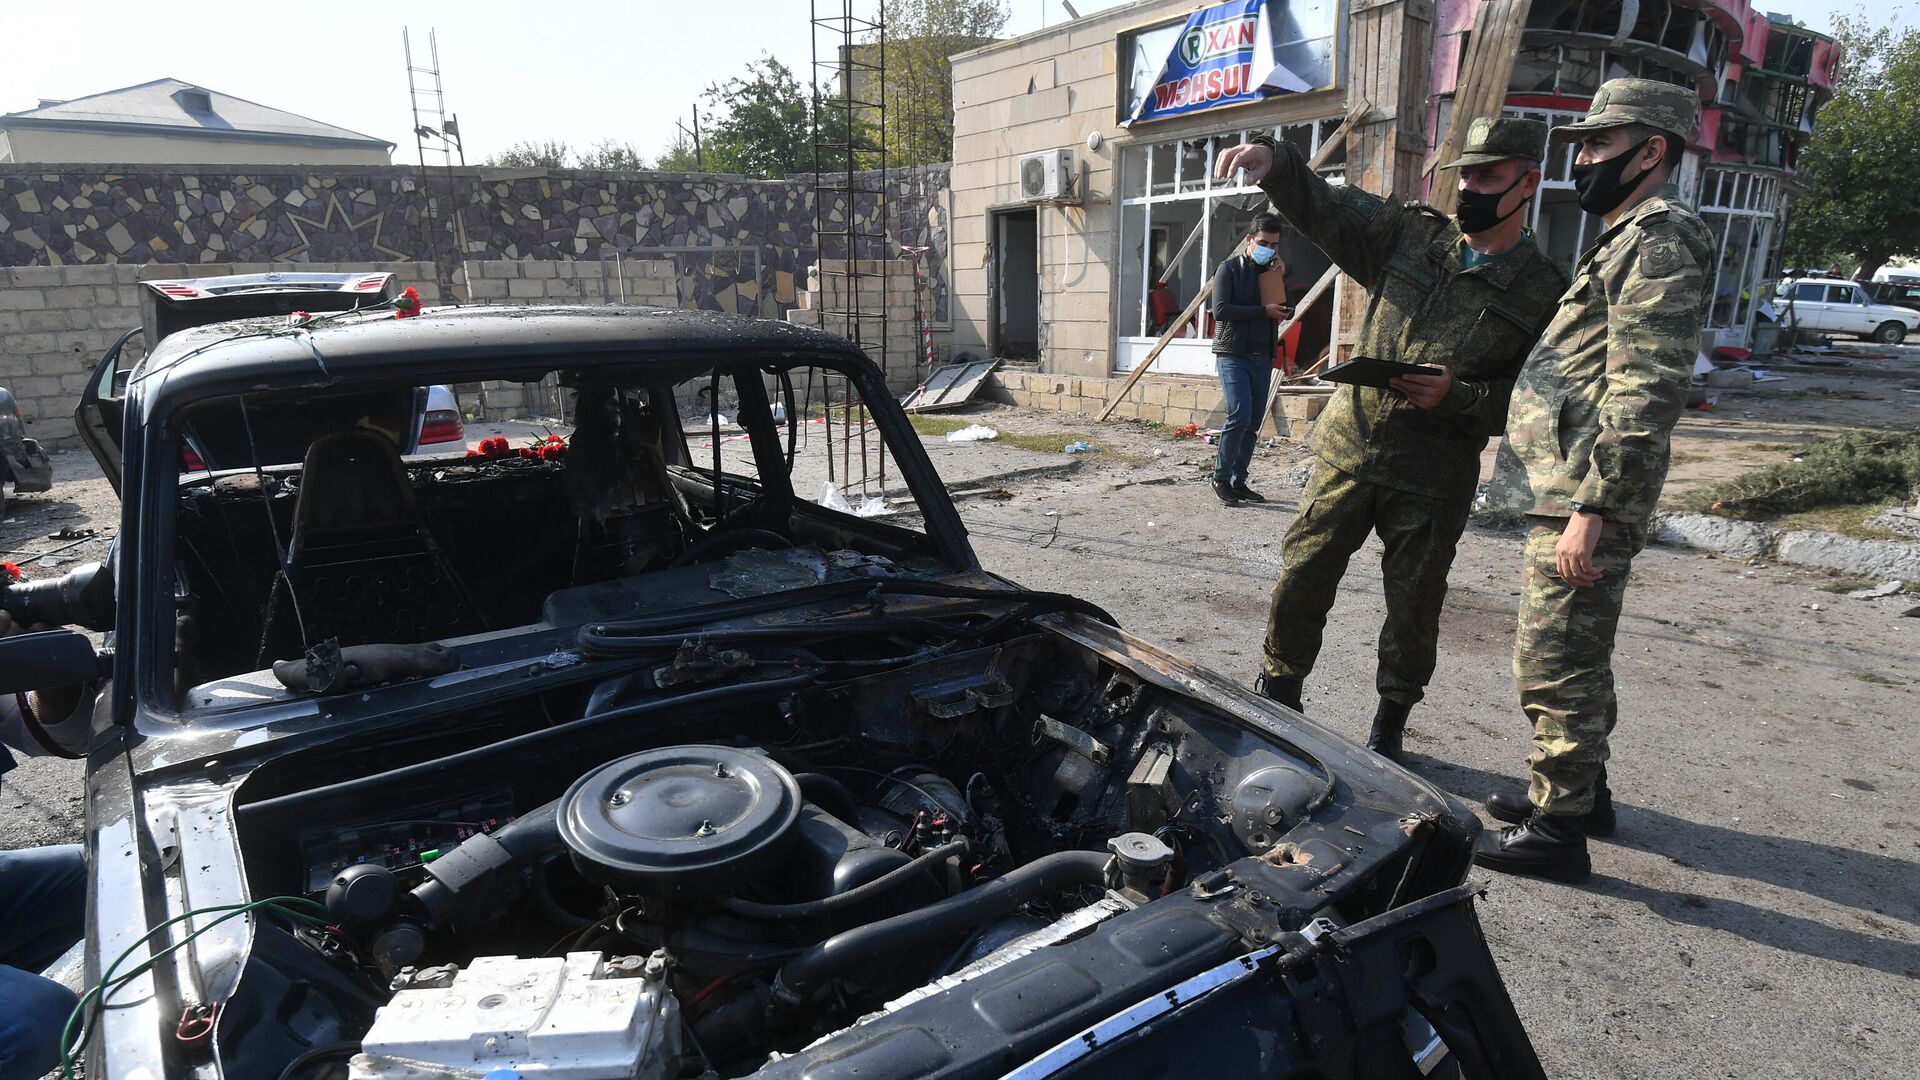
x,y
699,158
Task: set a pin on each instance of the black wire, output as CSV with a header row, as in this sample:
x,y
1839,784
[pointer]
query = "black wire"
x,y
318,1054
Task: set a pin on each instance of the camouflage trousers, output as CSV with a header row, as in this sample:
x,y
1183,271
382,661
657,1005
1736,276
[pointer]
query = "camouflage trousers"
x,y
1563,662
1420,533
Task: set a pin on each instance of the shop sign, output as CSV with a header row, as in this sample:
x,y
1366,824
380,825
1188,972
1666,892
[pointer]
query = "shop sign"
x,y
1225,54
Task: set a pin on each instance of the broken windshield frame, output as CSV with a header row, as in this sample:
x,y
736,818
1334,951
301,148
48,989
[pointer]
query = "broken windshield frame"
x,y
777,438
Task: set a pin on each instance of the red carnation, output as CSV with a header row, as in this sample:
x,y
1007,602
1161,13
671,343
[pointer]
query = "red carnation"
x,y
407,304
9,571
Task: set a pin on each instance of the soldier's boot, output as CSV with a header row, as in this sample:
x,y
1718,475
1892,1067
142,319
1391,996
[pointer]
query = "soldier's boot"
x,y
1284,691
1389,728
1515,807
1545,845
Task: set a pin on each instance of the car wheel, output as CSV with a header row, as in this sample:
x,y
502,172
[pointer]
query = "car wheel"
x,y
1890,333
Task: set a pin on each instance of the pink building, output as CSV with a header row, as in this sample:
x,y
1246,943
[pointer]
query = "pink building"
x,y
1760,83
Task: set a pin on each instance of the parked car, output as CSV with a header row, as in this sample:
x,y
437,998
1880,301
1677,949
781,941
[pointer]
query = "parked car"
x,y
22,462
1904,294
618,755
1840,306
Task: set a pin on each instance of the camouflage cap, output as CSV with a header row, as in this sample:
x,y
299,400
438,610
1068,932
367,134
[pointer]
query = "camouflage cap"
x,y
1637,101
1501,138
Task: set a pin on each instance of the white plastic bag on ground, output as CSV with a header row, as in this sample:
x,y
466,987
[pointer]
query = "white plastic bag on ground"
x,y
871,506
973,433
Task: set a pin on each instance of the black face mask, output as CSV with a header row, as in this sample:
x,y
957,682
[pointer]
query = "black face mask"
x,y
1478,211
1600,185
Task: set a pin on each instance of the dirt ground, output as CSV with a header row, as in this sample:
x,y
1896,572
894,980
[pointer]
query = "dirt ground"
x,y
1758,913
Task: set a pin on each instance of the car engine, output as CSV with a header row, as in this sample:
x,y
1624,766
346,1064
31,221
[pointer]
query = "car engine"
x,y
704,907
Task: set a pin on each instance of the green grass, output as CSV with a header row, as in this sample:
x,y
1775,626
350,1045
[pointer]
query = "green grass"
x,y
1845,520
1837,482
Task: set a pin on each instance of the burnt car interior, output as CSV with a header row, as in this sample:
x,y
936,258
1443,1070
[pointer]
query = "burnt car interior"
x,y
786,780
336,536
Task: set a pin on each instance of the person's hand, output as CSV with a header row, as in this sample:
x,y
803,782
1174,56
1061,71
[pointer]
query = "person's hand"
x,y
1276,312
1426,391
1573,555
1252,157
8,627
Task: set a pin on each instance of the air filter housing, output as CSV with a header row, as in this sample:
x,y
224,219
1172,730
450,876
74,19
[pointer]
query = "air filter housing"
x,y
683,820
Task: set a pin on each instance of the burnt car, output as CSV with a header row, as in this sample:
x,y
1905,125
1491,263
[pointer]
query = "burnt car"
x,y
621,750
22,462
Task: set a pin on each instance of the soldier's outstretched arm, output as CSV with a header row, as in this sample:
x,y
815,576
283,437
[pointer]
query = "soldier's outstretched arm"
x,y
1354,228
1653,334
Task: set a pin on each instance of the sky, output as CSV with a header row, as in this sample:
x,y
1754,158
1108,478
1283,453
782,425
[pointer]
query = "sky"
x,y
572,70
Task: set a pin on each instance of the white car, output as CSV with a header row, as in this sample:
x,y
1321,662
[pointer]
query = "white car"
x,y
1839,306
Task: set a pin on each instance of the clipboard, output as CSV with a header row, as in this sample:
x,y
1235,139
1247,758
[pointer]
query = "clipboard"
x,y
1366,371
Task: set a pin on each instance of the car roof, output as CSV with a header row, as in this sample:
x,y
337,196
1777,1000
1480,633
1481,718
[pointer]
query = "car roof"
x,y
1820,281
484,342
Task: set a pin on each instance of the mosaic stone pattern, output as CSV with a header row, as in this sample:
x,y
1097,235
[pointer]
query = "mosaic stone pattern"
x,y
740,244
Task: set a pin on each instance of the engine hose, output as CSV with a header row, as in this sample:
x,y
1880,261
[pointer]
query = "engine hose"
x,y
830,795
859,894
863,946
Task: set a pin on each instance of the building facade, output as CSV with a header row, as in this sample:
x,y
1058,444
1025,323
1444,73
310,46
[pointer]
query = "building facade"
x,y
1082,275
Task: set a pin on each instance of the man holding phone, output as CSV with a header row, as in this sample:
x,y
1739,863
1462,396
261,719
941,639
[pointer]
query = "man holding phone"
x,y
1466,295
1244,325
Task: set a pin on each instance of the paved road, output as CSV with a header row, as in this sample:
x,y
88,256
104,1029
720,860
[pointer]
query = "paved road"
x,y
1759,912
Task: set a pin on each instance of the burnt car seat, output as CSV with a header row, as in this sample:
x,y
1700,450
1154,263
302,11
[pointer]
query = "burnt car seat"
x,y
362,566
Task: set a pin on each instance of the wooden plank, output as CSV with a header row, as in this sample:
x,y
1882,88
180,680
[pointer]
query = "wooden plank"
x,y
1340,135
1484,78
1299,312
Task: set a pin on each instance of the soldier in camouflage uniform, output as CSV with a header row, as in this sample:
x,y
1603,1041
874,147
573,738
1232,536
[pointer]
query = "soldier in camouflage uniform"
x,y
1469,295
1585,456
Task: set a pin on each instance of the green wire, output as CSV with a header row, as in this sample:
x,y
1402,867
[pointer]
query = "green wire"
x,y
94,1002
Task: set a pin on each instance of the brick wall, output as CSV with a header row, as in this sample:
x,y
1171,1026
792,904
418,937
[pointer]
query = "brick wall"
x,y
56,322
825,299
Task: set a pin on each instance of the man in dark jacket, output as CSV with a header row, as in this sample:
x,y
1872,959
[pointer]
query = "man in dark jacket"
x,y
1468,295
1243,341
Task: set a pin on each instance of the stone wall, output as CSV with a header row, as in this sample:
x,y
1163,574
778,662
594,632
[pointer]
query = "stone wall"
x,y
740,245
825,301
56,322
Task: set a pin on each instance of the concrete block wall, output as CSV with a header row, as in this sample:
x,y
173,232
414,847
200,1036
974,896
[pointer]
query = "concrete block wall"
x,y
646,282
905,351
56,322
1171,400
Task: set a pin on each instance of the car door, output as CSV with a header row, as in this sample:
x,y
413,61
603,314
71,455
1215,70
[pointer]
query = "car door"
x,y
1847,308
100,415
1810,307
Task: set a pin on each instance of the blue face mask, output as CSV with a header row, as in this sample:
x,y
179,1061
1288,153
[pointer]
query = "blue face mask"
x,y
1262,254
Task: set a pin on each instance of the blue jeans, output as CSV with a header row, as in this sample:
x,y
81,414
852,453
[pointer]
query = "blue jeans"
x,y
1243,386
43,906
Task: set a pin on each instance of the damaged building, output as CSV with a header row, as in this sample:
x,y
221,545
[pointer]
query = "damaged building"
x,y
1084,159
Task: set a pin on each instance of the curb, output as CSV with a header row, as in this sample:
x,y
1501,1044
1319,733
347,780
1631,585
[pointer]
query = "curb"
x,y
1883,559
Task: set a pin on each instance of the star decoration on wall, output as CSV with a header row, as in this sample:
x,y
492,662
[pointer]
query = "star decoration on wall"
x,y
325,227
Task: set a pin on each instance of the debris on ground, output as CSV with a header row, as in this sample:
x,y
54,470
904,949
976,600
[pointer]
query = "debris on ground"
x,y
1885,588
973,433
1081,447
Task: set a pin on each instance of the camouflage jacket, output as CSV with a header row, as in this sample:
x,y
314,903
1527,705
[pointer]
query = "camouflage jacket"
x,y
1594,408
1423,307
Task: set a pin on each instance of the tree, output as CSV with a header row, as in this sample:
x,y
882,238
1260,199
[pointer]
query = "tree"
x,y
526,154
921,35
763,125
679,156
1864,155
610,156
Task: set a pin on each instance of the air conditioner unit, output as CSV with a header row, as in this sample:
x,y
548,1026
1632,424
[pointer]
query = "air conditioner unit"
x,y
1047,176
